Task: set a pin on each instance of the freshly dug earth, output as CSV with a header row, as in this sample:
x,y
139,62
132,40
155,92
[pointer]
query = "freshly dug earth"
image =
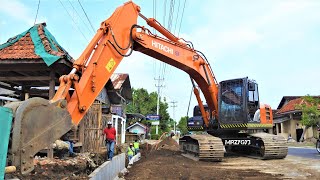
x,y
167,143
168,164
164,161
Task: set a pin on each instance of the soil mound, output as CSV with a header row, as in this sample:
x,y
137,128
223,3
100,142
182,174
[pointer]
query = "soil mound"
x,y
168,143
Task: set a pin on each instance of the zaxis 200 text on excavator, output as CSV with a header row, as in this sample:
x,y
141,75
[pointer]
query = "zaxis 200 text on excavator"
x,y
231,115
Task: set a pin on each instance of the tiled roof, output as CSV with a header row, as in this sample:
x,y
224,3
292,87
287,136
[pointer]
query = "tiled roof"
x,y
286,99
36,43
22,49
290,106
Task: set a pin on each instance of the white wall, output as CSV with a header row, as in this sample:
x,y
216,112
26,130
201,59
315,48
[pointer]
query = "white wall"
x,y
137,129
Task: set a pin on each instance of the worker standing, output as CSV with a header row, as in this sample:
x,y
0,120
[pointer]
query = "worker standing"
x,y
110,133
136,146
130,152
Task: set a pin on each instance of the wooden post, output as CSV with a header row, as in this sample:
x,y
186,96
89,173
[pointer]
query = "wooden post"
x,y
23,90
52,85
81,135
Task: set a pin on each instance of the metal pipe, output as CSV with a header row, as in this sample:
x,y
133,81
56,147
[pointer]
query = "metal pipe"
x,y
74,70
8,98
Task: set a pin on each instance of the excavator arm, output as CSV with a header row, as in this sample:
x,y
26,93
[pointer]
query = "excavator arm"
x,y
38,123
117,37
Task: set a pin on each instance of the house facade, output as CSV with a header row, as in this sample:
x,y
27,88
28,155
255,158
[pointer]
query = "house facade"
x,y
287,119
138,129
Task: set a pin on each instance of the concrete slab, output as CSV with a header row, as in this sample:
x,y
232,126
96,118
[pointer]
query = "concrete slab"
x,y
110,169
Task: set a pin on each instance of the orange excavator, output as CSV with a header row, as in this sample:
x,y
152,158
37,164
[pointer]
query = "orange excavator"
x,y
231,121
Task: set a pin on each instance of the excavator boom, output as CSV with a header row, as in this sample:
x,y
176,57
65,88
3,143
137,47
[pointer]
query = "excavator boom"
x,y
119,35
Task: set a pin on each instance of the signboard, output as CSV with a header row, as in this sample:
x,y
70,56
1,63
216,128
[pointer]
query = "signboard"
x,y
155,123
153,117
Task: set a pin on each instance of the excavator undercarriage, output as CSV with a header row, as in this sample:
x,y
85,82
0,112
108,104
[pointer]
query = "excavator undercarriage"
x,y
257,145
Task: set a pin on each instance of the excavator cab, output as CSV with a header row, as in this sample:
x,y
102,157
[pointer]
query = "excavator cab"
x,y
238,103
239,107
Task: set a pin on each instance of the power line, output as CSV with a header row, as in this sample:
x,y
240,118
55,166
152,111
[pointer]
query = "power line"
x,y
73,21
171,14
86,16
79,16
184,5
175,25
164,13
35,19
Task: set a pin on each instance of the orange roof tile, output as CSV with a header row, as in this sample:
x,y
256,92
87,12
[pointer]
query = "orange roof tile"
x,y
24,47
290,106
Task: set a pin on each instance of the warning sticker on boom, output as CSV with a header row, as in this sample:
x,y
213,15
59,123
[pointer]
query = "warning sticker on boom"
x,y
110,64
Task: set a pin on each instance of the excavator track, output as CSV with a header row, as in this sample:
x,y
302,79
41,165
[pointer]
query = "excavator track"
x,y
204,146
273,147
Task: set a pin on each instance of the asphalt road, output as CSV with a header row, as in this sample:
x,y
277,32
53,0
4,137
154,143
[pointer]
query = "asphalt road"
x,y
304,152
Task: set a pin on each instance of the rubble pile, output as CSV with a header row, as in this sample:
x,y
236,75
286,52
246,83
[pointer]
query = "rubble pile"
x,y
78,167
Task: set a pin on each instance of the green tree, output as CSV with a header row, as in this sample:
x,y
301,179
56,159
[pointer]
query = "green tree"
x,y
310,112
183,125
145,103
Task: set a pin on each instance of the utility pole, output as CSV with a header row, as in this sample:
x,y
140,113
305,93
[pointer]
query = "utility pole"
x,y
158,100
173,114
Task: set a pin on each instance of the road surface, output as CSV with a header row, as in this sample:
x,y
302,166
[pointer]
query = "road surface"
x,y
304,152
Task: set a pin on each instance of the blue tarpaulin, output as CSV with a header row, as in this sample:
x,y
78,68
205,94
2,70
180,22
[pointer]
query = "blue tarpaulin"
x,y
5,127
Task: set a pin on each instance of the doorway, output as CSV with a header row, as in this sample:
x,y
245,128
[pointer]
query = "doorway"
x,y
299,133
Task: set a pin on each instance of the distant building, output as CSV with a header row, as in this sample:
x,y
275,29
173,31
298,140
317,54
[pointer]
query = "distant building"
x,y
287,119
138,128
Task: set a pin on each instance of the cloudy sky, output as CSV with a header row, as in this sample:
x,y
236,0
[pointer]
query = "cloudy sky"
x,y
275,42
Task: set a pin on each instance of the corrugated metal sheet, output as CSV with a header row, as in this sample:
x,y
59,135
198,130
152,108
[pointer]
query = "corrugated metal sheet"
x,y
118,79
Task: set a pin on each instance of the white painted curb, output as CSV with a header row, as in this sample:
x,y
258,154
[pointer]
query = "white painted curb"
x,y
110,169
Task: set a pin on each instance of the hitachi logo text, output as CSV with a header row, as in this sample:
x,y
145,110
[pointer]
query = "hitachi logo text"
x,y
162,47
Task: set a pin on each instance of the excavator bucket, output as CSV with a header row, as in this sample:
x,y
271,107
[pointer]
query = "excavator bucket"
x,y
36,125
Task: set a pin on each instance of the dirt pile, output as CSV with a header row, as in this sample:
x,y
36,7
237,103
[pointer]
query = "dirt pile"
x,y
167,164
163,160
168,143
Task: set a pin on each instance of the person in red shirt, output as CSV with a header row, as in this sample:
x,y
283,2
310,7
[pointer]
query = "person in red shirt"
x,y
110,133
